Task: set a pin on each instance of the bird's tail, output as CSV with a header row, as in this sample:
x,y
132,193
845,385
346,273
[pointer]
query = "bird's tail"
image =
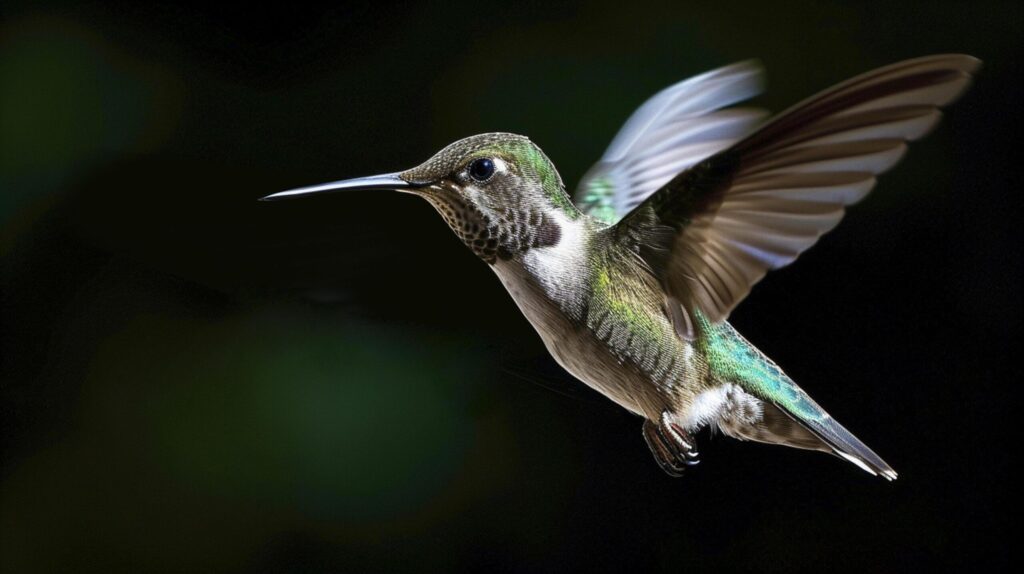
x,y
789,416
844,445
820,432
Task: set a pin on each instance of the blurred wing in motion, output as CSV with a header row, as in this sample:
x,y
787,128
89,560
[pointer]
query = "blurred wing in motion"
x,y
670,132
714,230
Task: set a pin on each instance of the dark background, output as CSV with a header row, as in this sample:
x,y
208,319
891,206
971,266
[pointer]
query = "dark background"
x,y
194,381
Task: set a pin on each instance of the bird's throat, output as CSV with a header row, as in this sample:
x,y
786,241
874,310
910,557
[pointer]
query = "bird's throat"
x,y
498,235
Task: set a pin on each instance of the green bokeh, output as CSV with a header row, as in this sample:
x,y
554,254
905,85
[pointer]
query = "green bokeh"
x,y
69,100
337,420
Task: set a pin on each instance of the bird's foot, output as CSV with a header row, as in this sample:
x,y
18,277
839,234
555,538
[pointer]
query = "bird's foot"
x,y
674,449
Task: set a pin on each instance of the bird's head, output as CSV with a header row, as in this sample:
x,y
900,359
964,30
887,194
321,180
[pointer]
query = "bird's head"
x,y
498,192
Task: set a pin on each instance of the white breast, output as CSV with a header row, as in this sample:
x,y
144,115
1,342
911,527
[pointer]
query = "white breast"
x,y
547,283
560,270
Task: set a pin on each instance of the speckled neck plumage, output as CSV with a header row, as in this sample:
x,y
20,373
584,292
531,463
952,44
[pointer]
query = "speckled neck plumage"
x,y
493,238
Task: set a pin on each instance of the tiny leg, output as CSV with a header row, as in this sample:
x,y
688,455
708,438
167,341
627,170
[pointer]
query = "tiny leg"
x,y
673,448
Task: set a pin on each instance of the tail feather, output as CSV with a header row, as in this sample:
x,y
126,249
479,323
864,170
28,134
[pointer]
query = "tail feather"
x,y
788,415
845,445
777,426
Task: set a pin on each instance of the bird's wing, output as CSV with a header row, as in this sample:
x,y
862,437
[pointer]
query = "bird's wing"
x,y
714,230
673,130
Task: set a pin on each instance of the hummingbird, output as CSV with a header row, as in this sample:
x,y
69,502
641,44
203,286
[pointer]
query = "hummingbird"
x,y
630,282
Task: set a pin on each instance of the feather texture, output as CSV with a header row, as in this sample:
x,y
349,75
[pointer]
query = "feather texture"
x,y
759,204
673,130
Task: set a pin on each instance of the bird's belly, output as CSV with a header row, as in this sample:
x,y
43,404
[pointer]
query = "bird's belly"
x,y
575,347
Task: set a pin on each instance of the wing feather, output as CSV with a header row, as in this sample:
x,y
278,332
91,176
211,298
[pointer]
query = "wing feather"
x,y
760,203
673,130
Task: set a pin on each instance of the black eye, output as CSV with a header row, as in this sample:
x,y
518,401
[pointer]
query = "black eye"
x,y
481,169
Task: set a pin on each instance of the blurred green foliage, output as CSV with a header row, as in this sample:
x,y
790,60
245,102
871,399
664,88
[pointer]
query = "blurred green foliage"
x,y
70,100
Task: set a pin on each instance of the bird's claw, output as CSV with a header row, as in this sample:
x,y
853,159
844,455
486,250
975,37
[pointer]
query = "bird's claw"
x,y
673,448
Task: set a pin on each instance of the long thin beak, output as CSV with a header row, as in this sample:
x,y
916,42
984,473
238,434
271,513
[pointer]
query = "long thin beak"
x,y
386,181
